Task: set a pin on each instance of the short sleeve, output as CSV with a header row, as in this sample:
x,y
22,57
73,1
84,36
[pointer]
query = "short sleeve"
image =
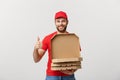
x,y
44,44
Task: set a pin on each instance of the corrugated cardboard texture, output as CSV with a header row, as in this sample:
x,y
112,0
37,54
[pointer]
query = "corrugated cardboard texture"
x,y
66,60
66,68
66,64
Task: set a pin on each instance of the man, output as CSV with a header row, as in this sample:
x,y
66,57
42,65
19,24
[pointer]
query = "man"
x,y
61,22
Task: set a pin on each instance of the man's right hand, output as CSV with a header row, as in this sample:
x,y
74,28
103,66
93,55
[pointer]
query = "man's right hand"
x,y
38,52
38,44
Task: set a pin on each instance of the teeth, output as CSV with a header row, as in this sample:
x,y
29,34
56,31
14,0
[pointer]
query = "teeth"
x,y
60,27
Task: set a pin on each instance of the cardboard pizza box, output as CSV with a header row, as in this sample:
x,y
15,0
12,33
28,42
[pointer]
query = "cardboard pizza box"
x,y
65,49
66,68
66,64
66,60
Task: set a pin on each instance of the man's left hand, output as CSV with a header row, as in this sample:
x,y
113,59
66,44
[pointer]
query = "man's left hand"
x,y
69,72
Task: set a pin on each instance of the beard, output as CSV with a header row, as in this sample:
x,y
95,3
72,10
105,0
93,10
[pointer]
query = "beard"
x,y
62,30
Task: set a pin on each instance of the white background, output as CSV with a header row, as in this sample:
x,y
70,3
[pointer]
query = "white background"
x,y
96,22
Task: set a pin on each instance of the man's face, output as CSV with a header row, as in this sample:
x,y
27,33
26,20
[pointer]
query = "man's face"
x,y
61,24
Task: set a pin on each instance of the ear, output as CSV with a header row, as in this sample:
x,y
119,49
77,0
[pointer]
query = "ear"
x,y
67,22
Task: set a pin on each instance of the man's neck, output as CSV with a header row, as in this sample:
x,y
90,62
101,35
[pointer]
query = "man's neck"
x,y
62,32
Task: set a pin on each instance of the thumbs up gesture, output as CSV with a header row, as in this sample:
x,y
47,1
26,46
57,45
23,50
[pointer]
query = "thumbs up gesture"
x,y
38,44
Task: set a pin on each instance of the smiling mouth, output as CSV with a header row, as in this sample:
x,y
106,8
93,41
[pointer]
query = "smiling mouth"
x,y
61,27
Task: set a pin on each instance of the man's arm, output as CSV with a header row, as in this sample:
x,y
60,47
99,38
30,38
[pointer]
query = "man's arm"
x,y
38,52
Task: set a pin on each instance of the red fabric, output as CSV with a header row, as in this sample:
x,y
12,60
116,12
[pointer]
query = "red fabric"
x,y
46,45
60,14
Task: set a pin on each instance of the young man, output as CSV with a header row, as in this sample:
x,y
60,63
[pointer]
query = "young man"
x,y
61,22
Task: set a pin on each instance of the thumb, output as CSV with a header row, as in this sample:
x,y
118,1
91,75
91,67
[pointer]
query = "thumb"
x,y
38,38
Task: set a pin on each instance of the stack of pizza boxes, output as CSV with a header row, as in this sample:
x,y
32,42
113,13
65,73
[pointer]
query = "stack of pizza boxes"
x,y
65,52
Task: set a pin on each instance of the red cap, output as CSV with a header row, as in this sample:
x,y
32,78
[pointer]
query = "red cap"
x,y
60,14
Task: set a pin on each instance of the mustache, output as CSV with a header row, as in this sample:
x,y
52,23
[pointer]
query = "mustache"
x,y
60,25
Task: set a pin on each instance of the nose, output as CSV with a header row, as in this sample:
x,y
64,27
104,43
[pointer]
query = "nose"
x,y
61,23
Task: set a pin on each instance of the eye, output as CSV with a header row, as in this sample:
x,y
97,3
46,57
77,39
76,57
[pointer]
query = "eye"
x,y
58,21
63,21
